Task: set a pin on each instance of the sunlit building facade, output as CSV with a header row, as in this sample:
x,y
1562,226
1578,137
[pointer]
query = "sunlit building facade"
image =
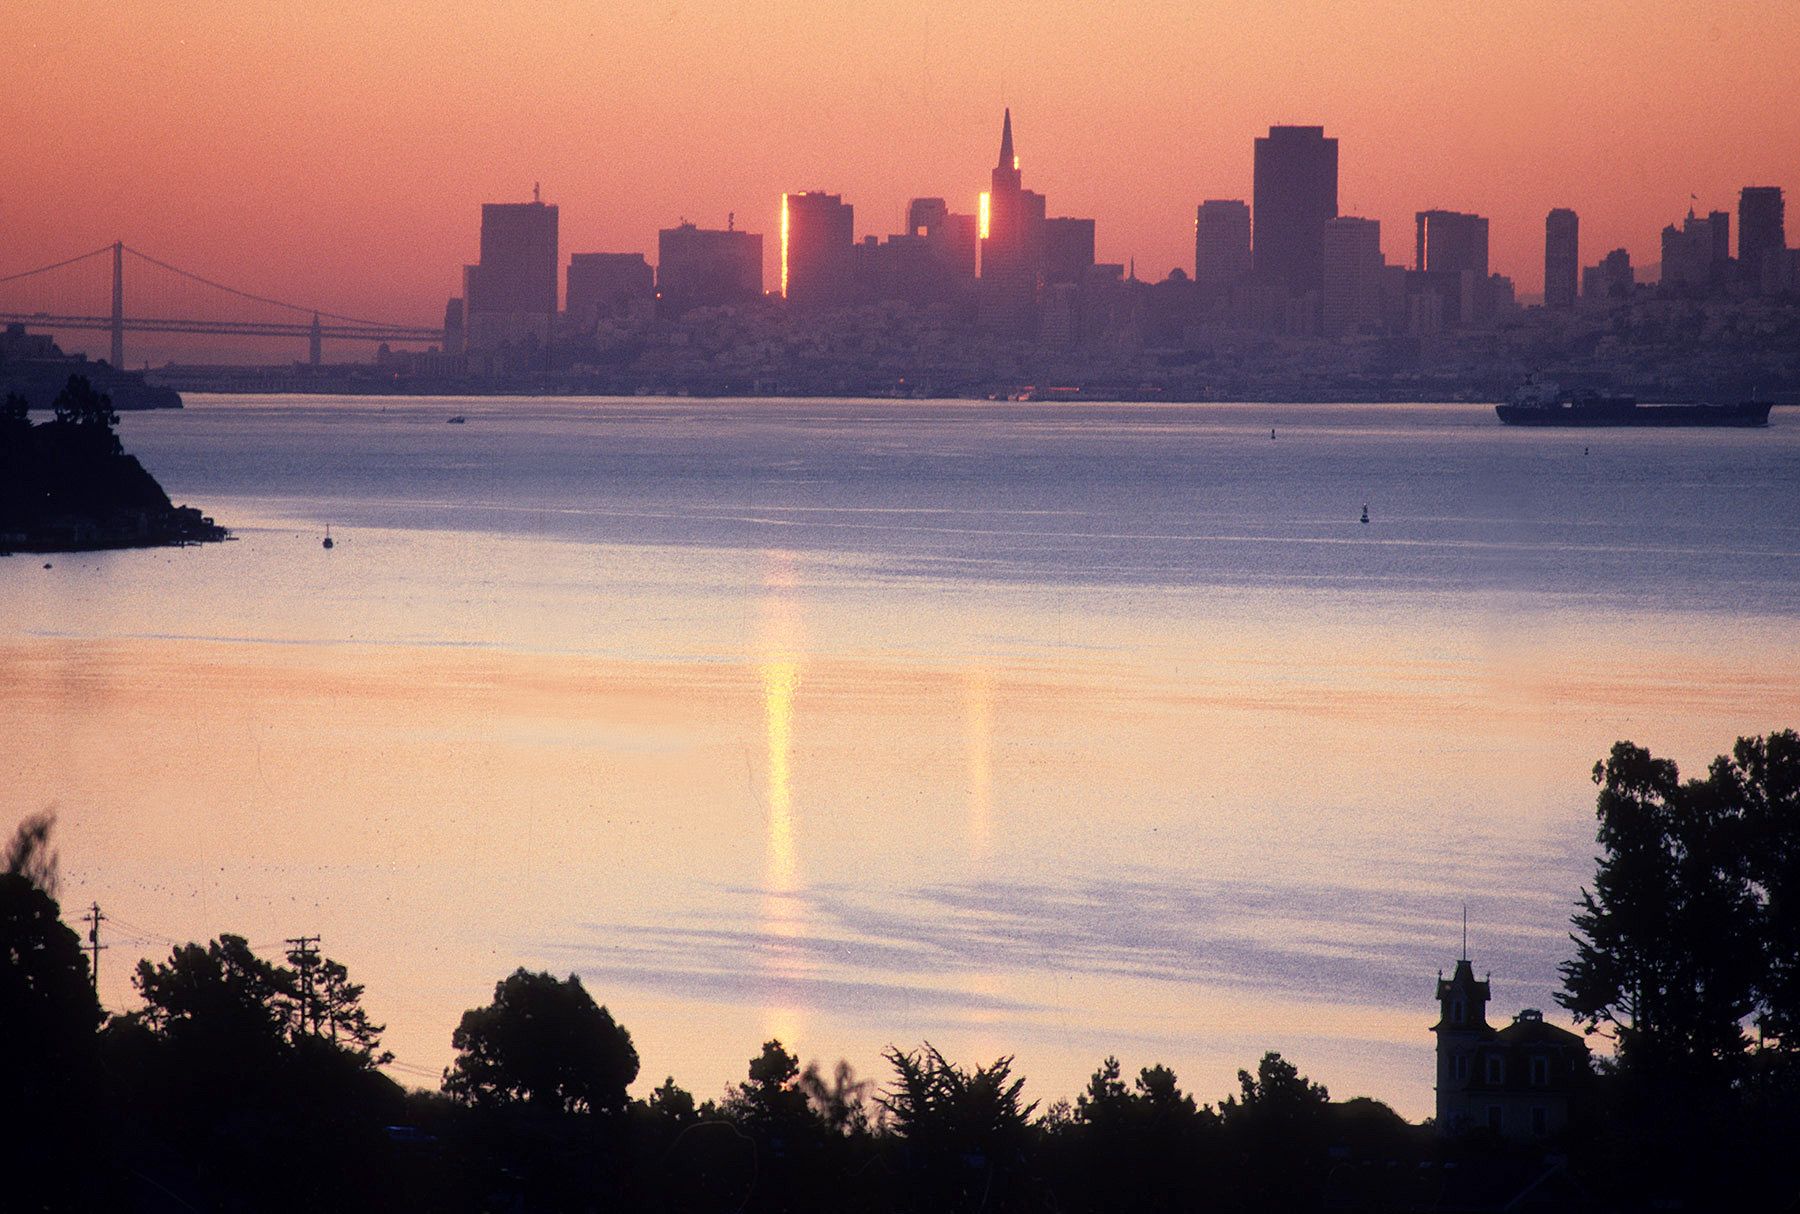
x,y
818,249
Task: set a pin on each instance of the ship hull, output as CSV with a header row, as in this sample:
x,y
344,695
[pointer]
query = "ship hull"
x,y
1629,413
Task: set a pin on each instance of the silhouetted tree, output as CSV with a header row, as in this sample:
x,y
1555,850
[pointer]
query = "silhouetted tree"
x,y
80,404
841,1102
15,435
965,1135
542,1042
1763,774
29,855
1148,1147
1667,954
673,1103
1276,1127
48,1015
332,1005
220,996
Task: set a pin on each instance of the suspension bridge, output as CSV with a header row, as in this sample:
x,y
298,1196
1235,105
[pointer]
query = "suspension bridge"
x,y
71,294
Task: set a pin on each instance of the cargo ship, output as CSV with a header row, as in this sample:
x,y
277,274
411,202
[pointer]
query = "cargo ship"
x,y
1544,404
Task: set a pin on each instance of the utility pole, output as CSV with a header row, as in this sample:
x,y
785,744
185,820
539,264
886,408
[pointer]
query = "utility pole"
x,y
303,952
118,312
94,920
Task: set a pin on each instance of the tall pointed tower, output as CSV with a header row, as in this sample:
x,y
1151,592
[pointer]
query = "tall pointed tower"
x,y
1012,227
1461,1029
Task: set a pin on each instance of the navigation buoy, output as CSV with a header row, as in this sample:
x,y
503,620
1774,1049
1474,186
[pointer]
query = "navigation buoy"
x,y
1365,514
328,542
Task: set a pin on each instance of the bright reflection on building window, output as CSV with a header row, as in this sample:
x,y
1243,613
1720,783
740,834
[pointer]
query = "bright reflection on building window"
x,y
784,244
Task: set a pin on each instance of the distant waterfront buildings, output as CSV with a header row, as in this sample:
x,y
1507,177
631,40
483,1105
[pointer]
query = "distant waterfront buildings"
x,y
1610,282
1562,258
1283,263
707,268
1221,242
509,295
1295,194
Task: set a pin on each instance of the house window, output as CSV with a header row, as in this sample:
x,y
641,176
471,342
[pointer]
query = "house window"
x,y
1457,1012
1494,1118
1540,1072
1496,1069
1540,1121
1459,1067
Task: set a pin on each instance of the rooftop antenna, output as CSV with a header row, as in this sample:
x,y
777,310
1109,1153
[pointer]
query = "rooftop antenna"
x,y
731,221
536,194
1465,949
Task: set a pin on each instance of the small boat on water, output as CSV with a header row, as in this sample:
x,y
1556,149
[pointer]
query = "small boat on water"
x,y
328,544
458,420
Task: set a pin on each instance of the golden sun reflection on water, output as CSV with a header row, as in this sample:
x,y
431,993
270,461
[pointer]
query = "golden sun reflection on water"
x,y
783,919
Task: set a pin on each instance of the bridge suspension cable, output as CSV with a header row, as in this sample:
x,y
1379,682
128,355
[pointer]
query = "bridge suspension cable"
x,y
57,266
254,298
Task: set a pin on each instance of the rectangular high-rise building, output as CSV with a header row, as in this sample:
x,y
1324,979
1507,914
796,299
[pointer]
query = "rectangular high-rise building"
x,y
818,249
600,284
1295,195
1221,242
1068,249
510,294
1351,296
1451,242
1695,255
1762,236
1562,258
706,268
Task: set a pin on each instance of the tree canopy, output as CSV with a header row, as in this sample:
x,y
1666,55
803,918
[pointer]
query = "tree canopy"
x,y
542,1042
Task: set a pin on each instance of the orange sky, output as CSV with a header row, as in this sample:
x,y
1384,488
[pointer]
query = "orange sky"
x,y
336,153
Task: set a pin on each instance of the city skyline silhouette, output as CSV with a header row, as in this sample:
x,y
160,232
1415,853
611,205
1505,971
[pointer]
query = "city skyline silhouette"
x,y
360,193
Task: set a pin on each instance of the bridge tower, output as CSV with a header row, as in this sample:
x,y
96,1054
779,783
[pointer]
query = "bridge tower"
x,y
118,312
314,342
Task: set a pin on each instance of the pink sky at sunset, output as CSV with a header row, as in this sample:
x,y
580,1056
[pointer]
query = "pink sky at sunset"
x,y
337,153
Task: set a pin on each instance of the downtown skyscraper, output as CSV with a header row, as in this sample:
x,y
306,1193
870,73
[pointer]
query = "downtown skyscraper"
x,y
1296,195
1562,258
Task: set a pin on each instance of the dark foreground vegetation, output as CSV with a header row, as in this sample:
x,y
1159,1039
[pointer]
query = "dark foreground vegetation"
x,y
66,485
247,1084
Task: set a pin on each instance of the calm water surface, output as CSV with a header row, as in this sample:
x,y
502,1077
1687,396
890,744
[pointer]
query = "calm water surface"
x,y
1056,730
